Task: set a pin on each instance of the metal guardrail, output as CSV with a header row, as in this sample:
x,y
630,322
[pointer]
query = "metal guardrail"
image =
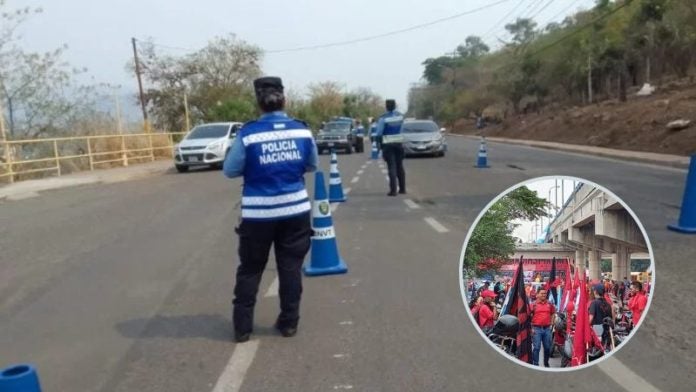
x,y
22,159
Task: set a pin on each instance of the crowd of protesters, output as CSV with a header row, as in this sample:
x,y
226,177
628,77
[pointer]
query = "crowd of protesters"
x,y
621,301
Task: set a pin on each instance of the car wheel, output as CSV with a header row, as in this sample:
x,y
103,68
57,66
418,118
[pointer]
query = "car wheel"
x,y
181,168
349,150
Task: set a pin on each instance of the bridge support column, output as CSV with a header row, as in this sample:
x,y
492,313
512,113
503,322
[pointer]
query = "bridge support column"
x,y
621,264
595,261
580,260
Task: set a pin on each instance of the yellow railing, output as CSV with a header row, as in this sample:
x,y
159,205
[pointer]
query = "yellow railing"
x,y
27,159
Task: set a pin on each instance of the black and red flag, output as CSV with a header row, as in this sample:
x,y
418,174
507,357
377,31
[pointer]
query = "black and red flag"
x,y
519,307
553,293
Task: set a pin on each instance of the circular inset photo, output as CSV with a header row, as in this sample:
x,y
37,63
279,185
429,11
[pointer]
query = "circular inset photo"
x,y
557,273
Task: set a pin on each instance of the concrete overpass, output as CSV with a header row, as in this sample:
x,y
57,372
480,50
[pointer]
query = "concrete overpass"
x,y
595,224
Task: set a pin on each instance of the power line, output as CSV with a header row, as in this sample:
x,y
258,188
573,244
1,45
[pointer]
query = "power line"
x,y
542,9
373,37
521,15
576,31
563,11
503,19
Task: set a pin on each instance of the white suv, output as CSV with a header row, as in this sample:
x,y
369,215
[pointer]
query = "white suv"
x,y
205,145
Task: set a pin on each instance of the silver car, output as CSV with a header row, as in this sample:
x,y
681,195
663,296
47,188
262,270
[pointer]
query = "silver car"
x,y
423,137
205,145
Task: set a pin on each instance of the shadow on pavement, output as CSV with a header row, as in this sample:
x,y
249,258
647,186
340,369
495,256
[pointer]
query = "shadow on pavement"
x,y
209,326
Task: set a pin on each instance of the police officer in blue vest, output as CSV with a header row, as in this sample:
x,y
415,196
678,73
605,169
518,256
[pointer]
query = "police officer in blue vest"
x,y
272,154
389,129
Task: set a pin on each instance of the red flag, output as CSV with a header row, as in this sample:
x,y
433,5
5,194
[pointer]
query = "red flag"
x,y
582,324
518,307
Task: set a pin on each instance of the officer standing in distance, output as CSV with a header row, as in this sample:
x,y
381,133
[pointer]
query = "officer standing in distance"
x,y
272,153
389,129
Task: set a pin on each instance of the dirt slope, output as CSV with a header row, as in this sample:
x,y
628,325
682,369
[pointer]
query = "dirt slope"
x,y
639,124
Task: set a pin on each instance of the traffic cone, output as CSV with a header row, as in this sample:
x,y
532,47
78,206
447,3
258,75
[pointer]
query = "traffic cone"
x,y
19,378
375,151
335,187
324,258
482,160
687,218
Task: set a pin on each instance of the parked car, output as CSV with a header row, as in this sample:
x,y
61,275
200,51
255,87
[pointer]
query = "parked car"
x,y
423,137
336,134
205,145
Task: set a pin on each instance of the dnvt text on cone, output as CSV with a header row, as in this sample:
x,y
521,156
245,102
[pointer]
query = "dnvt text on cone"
x,y
324,258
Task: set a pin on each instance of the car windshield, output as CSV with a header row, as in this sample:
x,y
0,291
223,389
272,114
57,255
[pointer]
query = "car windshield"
x,y
336,127
419,127
209,131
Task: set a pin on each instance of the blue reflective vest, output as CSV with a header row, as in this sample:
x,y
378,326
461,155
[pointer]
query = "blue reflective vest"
x,y
391,123
277,151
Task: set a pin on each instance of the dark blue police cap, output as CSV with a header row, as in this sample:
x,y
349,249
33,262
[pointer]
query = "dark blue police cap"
x,y
268,82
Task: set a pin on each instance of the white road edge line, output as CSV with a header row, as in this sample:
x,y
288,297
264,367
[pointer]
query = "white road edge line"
x,y
232,376
624,376
360,172
355,179
272,289
436,225
346,191
411,204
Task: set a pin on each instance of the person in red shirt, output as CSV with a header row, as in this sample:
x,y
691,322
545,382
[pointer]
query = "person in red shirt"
x,y
542,314
637,302
487,311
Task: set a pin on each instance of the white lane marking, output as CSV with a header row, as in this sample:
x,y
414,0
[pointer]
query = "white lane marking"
x,y
411,204
360,172
346,323
436,225
272,289
387,177
368,162
343,387
340,355
355,179
384,171
334,206
624,376
232,376
347,301
346,191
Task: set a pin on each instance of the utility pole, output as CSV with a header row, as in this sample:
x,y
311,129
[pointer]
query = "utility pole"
x,y
140,85
589,78
186,113
7,154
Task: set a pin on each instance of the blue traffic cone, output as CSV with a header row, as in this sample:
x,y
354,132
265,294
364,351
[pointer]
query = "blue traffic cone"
x,y
482,160
324,258
335,187
19,378
375,151
687,218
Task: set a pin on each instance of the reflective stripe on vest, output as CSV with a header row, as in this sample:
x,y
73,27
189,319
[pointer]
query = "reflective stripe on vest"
x,y
274,200
276,212
386,139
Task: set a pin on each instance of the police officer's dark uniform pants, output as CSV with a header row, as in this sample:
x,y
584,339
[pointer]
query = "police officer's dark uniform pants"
x,y
291,240
393,154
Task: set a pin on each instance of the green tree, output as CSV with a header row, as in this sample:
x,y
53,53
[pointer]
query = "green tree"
x,y
216,79
491,240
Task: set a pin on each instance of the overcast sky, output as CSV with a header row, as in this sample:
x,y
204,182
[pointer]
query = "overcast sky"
x,y
98,34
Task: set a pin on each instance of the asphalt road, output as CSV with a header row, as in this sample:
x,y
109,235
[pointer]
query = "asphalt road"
x,y
127,286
